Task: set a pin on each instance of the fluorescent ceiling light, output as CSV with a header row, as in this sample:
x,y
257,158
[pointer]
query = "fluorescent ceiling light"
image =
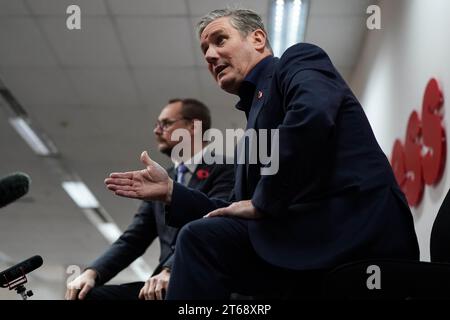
x,y
294,23
288,23
33,140
80,194
278,27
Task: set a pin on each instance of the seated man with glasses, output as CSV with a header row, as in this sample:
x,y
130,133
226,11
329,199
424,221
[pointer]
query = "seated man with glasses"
x,y
215,180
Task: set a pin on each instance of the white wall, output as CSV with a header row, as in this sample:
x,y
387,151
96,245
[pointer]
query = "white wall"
x,y
395,66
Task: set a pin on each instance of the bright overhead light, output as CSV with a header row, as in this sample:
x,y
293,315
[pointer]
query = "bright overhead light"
x,y
288,23
294,22
278,26
28,134
80,194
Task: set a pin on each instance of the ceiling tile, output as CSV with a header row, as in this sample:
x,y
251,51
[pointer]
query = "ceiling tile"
x,y
148,7
201,7
94,45
12,7
22,44
38,85
159,85
157,41
59,7
339,7
340,38
111,86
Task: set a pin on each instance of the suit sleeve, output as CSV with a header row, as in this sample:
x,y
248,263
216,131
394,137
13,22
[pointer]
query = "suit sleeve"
x,y
312,93
169,262
129,246
190,204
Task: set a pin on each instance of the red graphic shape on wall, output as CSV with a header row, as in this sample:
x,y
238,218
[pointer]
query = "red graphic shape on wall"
x,y
433,133
413,186
421,160
398,162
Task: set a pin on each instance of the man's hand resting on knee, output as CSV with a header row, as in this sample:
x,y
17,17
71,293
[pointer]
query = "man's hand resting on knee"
x,y
155,287
78,288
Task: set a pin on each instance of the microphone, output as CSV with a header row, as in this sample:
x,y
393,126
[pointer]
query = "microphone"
x,y
12,187
19,270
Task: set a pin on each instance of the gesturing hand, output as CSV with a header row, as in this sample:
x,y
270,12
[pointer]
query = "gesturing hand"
x,y
242,209
151,183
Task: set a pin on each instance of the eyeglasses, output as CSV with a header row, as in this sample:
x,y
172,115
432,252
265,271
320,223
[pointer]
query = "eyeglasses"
x,y
164,125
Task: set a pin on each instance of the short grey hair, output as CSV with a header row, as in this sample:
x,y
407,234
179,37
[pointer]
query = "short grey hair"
x,y
243,20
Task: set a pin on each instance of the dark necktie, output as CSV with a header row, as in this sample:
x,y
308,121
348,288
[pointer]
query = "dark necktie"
x,y
181,170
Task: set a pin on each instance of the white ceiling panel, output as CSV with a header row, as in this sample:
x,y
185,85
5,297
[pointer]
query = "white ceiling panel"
x,y
38,86
340,38
148,7
339,7
202,7
9,7
158,84
111,86
59,7
95,44
157,41
22,44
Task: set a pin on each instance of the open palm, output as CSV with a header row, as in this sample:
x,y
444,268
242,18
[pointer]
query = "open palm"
x,y
151,183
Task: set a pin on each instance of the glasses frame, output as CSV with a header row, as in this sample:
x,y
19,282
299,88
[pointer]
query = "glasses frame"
x,y
166,123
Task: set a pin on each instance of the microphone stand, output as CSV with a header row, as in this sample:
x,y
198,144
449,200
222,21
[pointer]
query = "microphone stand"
x,y
18,285
23,293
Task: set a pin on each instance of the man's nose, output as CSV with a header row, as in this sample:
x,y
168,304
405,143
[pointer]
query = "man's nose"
x,y
211,55
157,131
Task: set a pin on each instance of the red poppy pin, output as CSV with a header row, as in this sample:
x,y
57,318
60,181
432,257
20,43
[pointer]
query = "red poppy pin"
x,y
260,94
202,174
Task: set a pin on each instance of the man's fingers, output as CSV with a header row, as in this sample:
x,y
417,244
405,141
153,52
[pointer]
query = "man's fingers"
x,y
145,159
142,292
114,187
151,289
72,294
121,175
119,181
84,291
127,194
159,291
217,213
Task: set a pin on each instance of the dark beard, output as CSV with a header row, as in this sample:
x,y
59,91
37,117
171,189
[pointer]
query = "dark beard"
x,y
166,150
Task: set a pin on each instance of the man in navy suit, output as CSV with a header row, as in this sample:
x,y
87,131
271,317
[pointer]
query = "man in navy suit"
x,y
215,180
333,199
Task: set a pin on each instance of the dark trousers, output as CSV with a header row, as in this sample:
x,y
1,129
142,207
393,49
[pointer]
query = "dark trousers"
x,y
214,258
126,291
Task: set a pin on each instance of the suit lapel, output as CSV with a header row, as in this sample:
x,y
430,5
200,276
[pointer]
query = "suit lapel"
x,y
260,98
198,178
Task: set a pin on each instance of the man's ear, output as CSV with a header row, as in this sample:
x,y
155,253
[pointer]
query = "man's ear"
x,y
259,39
196,124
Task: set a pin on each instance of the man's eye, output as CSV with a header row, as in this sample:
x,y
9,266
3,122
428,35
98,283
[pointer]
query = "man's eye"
x,y
220,40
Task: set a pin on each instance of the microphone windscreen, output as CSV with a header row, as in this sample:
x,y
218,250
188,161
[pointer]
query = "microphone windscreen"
x,y
20,269
12,187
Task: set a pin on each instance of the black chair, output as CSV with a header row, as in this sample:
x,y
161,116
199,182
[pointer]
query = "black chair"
x,y
398,279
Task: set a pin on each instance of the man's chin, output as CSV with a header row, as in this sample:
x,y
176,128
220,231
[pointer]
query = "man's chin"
x,y
227,86
165,150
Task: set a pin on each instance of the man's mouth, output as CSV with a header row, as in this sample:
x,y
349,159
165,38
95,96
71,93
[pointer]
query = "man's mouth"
x,y
219,69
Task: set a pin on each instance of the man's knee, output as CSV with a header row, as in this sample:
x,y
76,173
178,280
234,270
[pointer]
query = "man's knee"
x,y
192,232
217,231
